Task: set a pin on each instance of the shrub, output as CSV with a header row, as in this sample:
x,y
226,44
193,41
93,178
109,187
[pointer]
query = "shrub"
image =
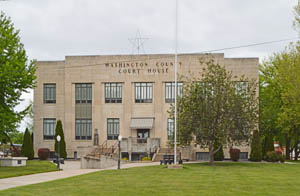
x,y
256,150
219,156
15,151
275,157
62,147
125,159
234,154
146,159
43,153
27,148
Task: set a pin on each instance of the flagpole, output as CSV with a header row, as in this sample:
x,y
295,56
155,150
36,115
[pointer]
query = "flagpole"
x,y
175,76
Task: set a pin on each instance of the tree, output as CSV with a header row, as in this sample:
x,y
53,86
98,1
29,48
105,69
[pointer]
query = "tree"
x,y
218,107
27,148
16,137
256,151
30,117
280,99
219,156
17,75
62,146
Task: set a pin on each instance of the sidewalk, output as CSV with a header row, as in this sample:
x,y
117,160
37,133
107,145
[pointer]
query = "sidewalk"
x,y
70,168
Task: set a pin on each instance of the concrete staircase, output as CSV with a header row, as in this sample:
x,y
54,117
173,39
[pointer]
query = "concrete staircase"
x,y
102,156
104,150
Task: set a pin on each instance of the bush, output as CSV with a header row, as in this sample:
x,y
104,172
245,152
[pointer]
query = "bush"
x,y
62,147
43,153
125,159
234,154
256,149
15,151
146,159
275,157
219,156
27,148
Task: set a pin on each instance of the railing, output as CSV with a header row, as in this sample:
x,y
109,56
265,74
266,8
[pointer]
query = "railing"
x,y
104,149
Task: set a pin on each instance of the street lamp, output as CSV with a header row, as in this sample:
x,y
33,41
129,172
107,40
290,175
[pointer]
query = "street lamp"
x,y
119,159
58,150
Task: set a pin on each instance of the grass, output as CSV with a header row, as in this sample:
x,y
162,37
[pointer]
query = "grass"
x,y
32,167
224,179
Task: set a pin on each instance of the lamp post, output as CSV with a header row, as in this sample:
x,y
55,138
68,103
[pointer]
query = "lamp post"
x,y
58,150
119,144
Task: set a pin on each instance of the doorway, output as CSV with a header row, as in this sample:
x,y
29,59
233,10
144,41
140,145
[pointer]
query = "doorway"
x,y
142,135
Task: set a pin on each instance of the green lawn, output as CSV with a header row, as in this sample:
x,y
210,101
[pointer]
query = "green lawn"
x,y
224,179
32,167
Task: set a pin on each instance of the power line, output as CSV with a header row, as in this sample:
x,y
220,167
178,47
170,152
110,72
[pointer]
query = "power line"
x,y
250,45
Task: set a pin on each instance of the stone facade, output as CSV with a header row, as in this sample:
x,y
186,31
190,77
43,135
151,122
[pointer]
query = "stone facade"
x,y
124,69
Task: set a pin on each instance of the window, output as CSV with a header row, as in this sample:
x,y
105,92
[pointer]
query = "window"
x,y
83,93
171,126
83,129
241,88
49,128
113,125
170,91
49,93
113,92
143,92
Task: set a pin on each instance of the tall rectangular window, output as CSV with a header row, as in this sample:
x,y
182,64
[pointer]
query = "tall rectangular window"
x,y
113,126
49,93
241,88
83,111
113,92
171,126
49,125
170,91
83,93
83,129
143,92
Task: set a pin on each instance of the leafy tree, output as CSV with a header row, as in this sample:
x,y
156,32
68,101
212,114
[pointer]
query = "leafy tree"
x,y
256,152
16,76
268,145
27,148
217,107
62,147
16,137
281,98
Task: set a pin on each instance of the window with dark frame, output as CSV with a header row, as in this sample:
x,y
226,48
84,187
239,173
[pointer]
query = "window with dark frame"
x,y
83,129
83,93
113,126
113,92
241,88
83,111
170,91
171,126
49,125
143,92
49,93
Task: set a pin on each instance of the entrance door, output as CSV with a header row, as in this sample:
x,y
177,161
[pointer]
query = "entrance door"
x,y
142,135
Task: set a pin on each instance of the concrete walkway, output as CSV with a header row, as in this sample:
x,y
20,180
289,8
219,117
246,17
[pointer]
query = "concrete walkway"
x,y
70,168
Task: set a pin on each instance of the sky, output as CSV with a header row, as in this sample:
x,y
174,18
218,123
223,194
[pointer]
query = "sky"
x,y
53,29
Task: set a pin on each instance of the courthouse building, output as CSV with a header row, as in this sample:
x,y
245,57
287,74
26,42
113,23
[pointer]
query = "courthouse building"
x,y
99,97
